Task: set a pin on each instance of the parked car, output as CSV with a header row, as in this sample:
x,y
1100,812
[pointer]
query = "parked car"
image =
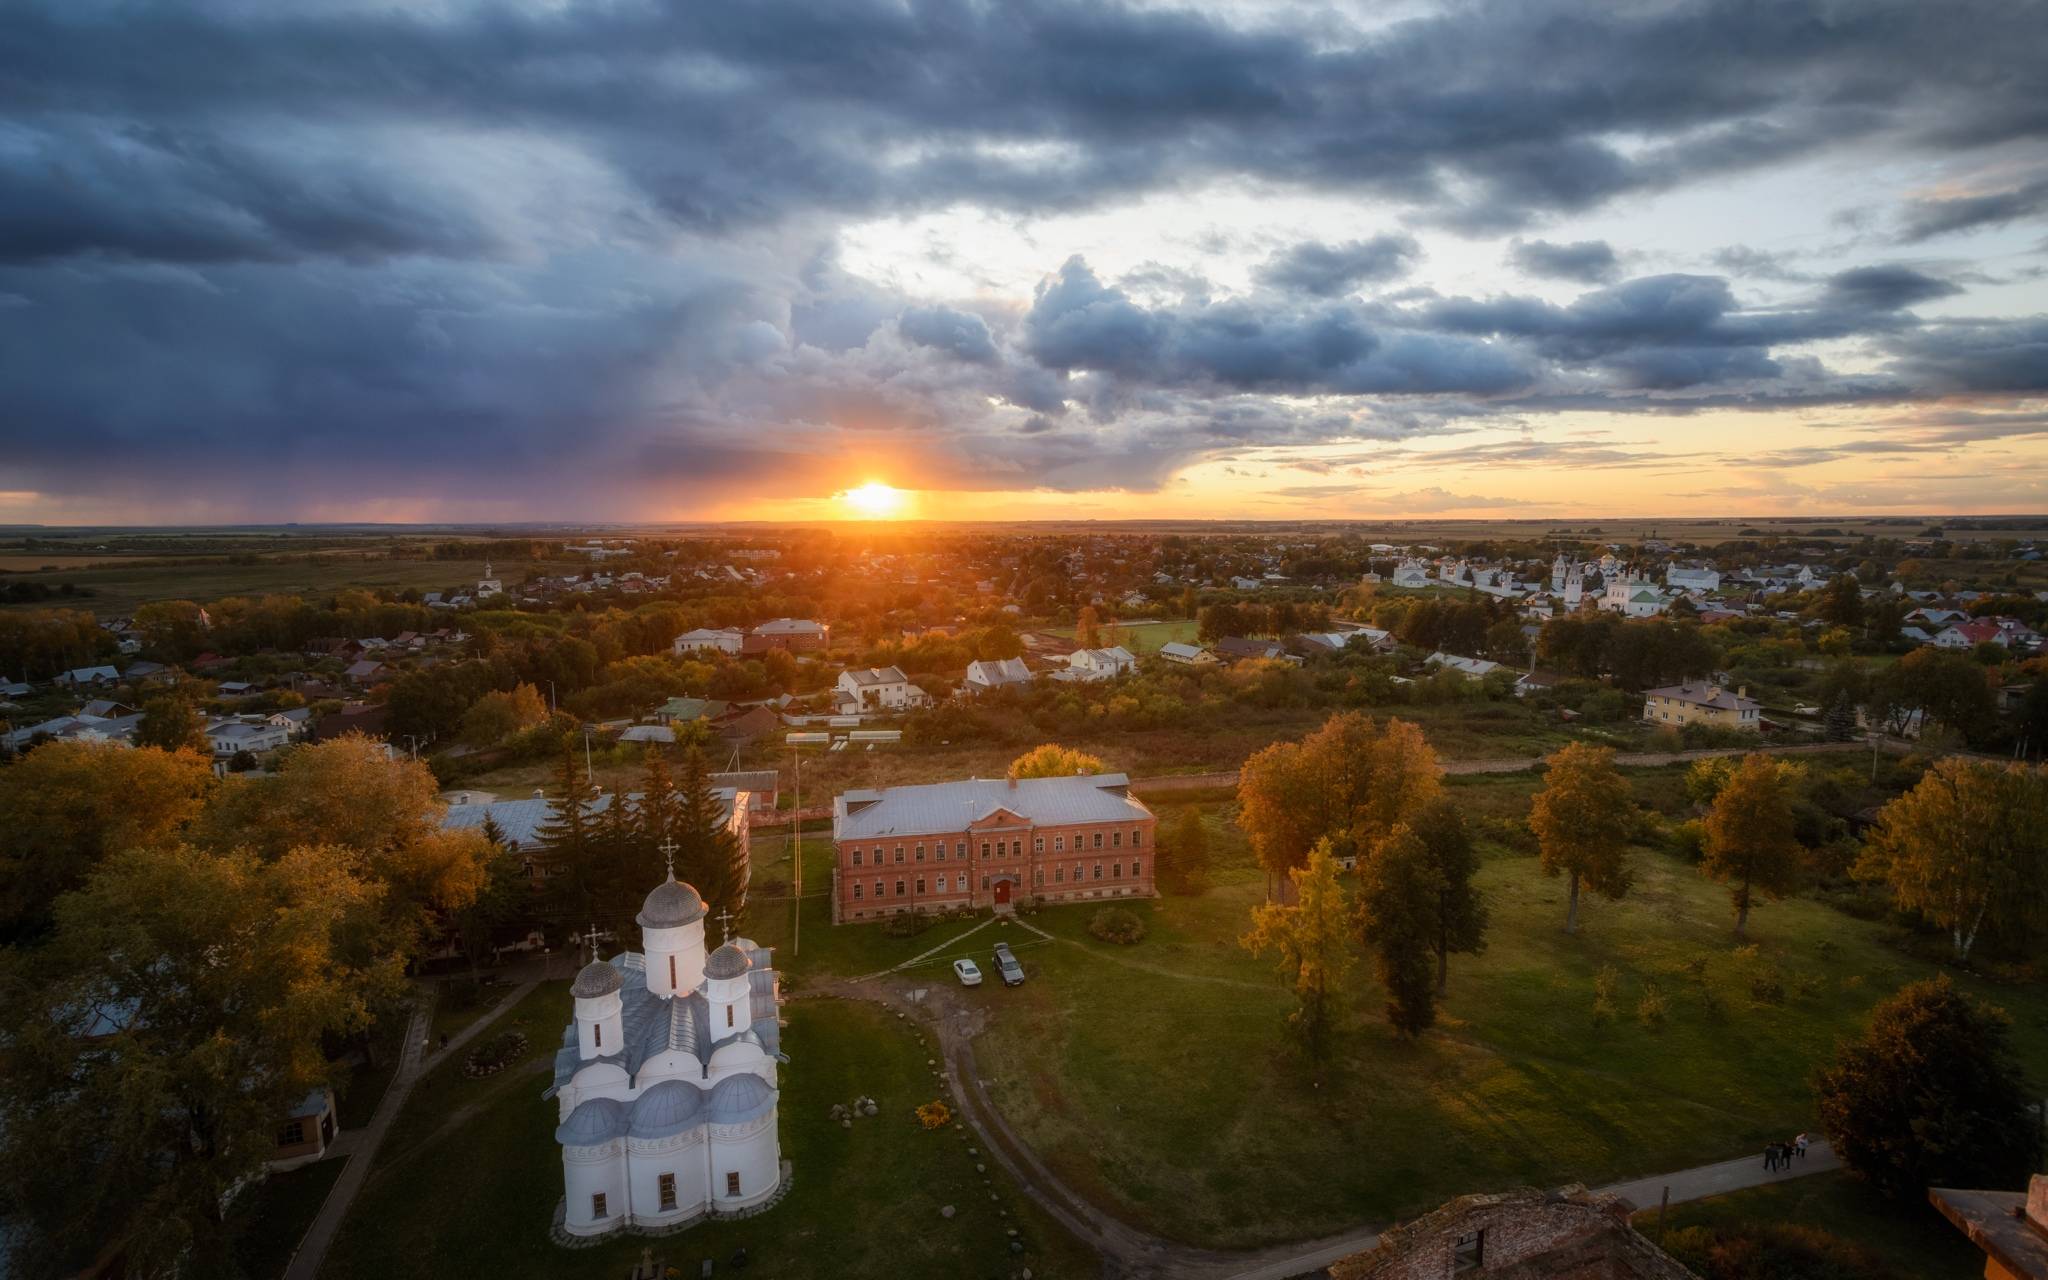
x,y
1006,965
964,970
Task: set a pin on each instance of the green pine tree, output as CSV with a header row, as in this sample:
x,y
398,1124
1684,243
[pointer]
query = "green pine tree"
x,y
568,842
707,855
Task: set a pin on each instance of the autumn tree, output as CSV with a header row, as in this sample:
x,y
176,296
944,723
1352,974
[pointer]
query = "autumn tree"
x,y
1089,629
1583,819
1965,848
1930,1095
1311,939
66,806
1181,862
497,716
171,723
1351,781
1750,842
1398,890
175,1012
1054,761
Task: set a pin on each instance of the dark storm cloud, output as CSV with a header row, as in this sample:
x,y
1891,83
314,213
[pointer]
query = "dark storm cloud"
x,y
1079,323
1331,270
559,253
1586,261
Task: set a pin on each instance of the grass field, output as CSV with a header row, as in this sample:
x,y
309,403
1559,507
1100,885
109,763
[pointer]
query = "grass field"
x,y
865,1201
279,1210
1913,1239
1144,637
118,588
1225,1135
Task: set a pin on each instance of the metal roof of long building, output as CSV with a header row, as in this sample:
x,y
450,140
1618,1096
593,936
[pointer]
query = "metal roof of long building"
x,y
944,807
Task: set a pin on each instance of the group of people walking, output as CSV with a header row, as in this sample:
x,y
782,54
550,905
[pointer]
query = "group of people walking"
x,y
1779,1155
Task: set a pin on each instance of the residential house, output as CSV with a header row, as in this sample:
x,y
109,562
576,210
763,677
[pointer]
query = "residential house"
x,y
520,822
231,736
235,688
119,730
368,720
728,640
295,721
87,675
307,1129
799,635
1238,649
761,787
684,710
1702,703
1098,664
987,843
367,671
1187,655
996,673
749,725
876,689
1475,668
1680,577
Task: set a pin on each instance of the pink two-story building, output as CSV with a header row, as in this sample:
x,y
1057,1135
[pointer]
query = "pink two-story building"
x,y
988,843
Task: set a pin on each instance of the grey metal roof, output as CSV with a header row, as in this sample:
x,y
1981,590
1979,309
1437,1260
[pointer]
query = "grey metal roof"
x,y
666,1109
521,820
738,1099
595,979
727,962
945,807
593,1123
876,675
669,904
998,671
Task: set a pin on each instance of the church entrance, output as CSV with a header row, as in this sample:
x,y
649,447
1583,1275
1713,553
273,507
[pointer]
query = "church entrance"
x,y
1002,893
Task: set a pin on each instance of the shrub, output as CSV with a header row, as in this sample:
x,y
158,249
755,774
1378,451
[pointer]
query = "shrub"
x,y
1117,925
1772,1250
1689,840
907,924
1650,1010
1765,988
935,1114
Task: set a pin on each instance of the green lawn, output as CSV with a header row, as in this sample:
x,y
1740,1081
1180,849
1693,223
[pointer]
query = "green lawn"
x,y
357,1093
1913,1239
1145,637
476,1199
278,1212
1224,1135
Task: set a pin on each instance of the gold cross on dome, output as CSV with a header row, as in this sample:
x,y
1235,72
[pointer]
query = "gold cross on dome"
x,y
724,925
668,854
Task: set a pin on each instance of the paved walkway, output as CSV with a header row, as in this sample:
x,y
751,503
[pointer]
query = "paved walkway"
x,y
412,1062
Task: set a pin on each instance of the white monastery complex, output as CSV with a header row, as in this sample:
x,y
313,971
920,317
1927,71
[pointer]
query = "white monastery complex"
x,y
667,1079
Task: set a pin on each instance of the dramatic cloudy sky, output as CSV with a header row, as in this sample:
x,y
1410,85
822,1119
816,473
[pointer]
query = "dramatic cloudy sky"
x,y
668,259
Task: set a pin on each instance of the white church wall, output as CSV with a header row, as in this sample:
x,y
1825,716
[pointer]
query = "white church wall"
x,y
588,1172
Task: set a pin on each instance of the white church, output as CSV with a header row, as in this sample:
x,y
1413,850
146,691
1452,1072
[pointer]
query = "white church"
x,y
666,1080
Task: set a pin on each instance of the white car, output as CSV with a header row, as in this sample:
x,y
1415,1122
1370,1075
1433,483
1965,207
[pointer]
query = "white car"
x,y
965,971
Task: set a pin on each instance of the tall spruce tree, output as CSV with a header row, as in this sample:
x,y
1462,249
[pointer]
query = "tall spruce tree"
x,y
1398,891
568,841
707,855
1458,916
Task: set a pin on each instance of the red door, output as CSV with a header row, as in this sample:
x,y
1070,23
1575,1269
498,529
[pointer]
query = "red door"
x,y
1002,893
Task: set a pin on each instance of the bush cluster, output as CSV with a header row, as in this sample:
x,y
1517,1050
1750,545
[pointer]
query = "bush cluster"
x,y
1117,925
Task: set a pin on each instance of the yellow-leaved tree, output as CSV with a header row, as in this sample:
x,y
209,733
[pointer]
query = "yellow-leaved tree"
x,y
1052,760
1583,819
1750,844
1351,781
1311,939
1966,847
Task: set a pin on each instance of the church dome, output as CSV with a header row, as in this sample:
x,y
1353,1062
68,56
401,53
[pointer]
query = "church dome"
x,y
597,978
727,962
740,1098
592,1124
667,1109
672,903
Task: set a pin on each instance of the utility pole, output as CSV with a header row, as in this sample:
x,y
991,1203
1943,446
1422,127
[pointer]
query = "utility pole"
x,y
586,753
796,850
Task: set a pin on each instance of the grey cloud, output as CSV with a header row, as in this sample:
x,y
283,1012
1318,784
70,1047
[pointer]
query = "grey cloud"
x,y
1885,288
1331,270
1938,216
961,334
1586,261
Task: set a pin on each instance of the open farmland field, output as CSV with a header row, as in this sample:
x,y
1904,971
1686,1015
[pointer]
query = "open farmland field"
x,y
117,587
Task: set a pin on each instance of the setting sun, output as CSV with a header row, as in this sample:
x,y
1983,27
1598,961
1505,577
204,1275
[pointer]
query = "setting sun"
x,y
875,500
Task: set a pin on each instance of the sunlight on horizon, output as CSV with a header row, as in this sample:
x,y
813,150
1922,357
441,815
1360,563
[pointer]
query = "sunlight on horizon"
x,y
874,501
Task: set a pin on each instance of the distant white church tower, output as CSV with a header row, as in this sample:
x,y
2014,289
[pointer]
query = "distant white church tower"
x,y
488,585
666,1079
